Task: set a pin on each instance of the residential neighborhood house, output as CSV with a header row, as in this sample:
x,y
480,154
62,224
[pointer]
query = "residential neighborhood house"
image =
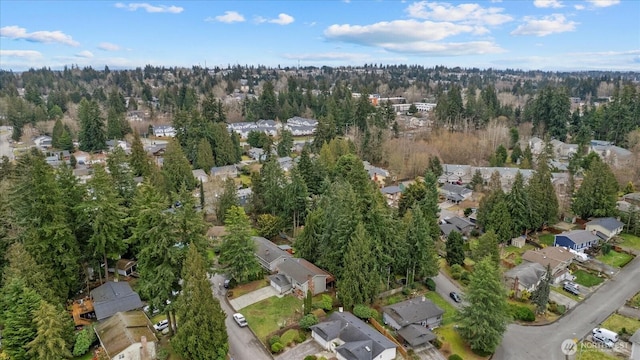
x,y
557,258
112,297
525,276
455,193
127,336
269,255
413,319
605,228
578,240
352,339
299,275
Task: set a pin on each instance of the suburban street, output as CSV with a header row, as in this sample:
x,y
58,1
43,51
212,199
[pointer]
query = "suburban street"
x,y
243,345
444,286
543,342
5,147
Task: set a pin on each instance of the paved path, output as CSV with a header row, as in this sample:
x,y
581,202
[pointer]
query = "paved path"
x,y
243,345
444,286
253,297
629,312
562,300
309,347
543,342
5,147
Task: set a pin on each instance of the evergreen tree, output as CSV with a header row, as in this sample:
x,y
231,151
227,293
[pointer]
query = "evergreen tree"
x,y
103,214
360,279
285,143
176,169
237,252
204,156
138,159
147,217
519,207
455,249
268,102
429,205
414,193
53,330
487,247
500,221
22,266
18,305
117,125
483,322
58,129
92,135
295,200
309,172
308,242
66,141
226,200
269,191
540,295
121,175
202,334
225,150
598,194
420,244
477,181
435,166
542,195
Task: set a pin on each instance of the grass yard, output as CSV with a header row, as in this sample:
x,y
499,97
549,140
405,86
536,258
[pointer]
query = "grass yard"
x,y
452,343
635,300
614,258
587,279
589,353
546,239
616,322
245,180
249,287
449,310
268,315
514,254
631,241
559,290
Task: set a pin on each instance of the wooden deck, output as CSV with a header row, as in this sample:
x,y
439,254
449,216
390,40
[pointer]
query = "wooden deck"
x,y
83,312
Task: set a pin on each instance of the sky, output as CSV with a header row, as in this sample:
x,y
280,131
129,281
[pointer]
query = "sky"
x,y
556,35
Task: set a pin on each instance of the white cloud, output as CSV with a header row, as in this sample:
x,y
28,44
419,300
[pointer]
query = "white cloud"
x,y
85,54
283,19
328,56
387,31
465,13
578,7
26,54
605,60
151,8
603,3
445,49
106,46
18,33
546,25
547,4
229,17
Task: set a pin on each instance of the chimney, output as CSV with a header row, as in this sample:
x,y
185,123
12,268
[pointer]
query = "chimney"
x,y
144,354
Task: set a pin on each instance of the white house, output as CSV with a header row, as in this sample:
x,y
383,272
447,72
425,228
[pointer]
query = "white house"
x,y
164,131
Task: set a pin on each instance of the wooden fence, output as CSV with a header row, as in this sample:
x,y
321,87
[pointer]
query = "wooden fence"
x,y
386,333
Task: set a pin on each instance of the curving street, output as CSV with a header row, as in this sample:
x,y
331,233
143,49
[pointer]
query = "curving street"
x,y
543,342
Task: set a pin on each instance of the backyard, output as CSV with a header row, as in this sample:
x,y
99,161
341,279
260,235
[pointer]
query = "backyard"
x,y
546,239
271,314
452,343
587,279
631,241
614,258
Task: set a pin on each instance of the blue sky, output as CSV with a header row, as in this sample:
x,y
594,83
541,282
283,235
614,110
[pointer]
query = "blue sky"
x,y
523,34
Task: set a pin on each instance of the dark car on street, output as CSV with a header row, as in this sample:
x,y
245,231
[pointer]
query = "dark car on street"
x,y
455,296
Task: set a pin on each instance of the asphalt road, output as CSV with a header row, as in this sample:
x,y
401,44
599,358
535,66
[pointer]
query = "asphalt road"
x,y
5,147
543,342
444,287
243,345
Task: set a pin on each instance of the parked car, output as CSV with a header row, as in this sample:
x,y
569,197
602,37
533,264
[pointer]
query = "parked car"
x,y
239,318
161,325
599,338
571,288
605,334
455,296
230,283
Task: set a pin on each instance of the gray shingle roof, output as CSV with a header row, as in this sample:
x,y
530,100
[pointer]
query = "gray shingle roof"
x,y
113,297
416,335
608,223
300,269
580,236
528,273
268,251
413,311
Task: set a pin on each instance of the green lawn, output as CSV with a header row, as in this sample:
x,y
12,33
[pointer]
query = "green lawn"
x,y
268,315
614,258
546,239
589,353
449,310
452,343
631,241
616,322
635,300
587,279
559,290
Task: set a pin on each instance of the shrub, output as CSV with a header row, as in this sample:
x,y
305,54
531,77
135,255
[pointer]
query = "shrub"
x,y
308,321
437,343
301,337
310,357
456,271
289,337
522,313
163,354
277,347
274,339
431,285
325,303
364,312
468,211
84,340
406,291
606,249
454,357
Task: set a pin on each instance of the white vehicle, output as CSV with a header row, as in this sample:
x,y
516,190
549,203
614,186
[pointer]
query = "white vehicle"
x,y
605,334
161,325
599,338
239,318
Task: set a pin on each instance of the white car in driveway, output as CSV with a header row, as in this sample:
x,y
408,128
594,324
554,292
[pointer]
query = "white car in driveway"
x,y
161,325
239,318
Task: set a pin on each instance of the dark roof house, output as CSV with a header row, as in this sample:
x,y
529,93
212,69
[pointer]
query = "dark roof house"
x,y
605,228
357,340
269,254
127,335
578,240
527,275
112,297
303,276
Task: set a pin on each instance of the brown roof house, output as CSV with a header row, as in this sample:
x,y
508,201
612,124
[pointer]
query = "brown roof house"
x,y
413,319
300,275
127,336
557,258
269,255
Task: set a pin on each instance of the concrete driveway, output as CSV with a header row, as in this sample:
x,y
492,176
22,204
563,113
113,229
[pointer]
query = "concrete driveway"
x,y
560,299
428,352
300,351
253,297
